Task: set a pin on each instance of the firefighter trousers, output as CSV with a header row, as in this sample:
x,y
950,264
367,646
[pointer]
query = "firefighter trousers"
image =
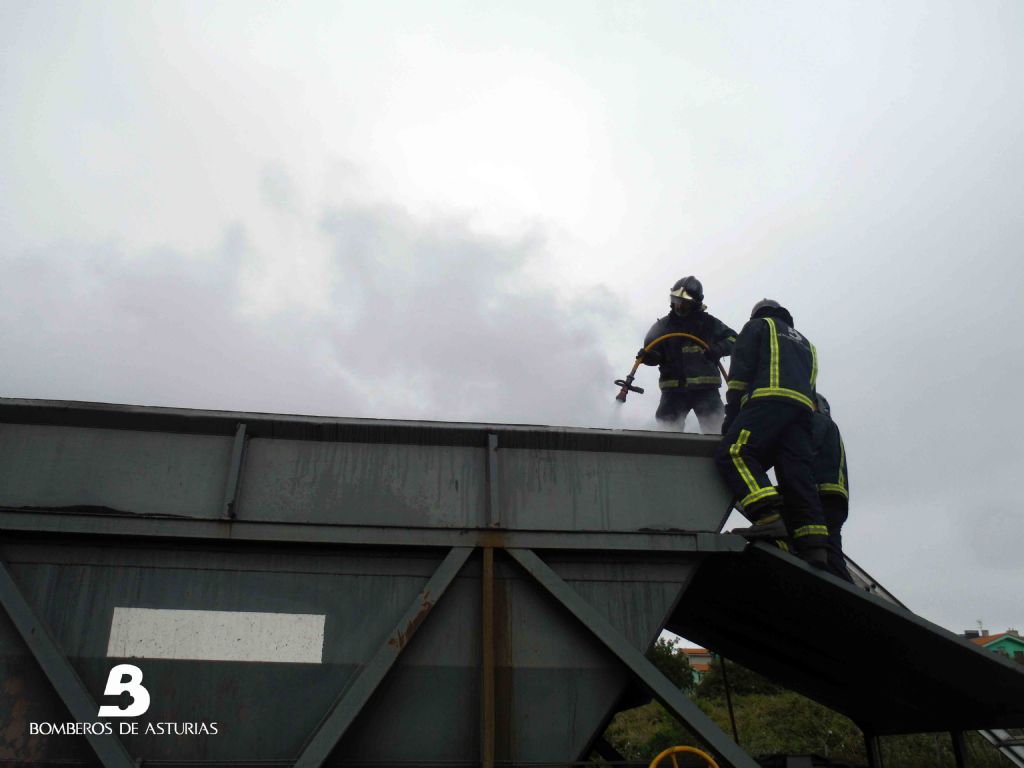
x,y
676,405
836,509
774,432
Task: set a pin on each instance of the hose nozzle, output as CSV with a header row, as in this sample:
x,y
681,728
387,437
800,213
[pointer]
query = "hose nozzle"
x,y
627,387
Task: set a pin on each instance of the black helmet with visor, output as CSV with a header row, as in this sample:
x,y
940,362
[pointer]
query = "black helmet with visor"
x,y
686,295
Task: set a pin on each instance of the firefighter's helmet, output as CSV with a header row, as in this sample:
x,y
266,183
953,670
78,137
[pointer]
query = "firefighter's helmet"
x,y
770,307
686,294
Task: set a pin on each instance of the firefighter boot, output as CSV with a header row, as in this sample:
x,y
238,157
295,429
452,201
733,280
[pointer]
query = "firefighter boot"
x,y
769,526
816,557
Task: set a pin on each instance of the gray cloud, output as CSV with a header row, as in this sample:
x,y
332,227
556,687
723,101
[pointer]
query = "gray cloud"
x,y
449,324
426,319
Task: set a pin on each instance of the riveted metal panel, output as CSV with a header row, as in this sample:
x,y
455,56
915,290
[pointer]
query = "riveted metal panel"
x,y
363,483
545,489
152,473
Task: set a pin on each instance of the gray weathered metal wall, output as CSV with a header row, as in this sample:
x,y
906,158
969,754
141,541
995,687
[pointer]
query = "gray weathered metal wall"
x,y
106,507
555,684
387,473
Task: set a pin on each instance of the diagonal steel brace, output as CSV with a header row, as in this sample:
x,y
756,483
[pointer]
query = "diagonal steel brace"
x,y
664,691
58,670
351,701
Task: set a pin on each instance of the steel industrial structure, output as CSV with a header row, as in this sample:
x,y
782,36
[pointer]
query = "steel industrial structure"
x,y
345,591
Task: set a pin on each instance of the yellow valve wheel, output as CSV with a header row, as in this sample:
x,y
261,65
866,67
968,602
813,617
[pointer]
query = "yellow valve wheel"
x,y
671,752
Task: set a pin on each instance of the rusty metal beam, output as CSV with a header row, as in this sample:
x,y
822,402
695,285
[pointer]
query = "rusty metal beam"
x,y
58,670
493,506
664,691
234,473
352,700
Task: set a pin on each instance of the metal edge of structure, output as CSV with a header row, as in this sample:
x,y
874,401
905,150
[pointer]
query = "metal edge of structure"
x,y
778,625
63,522
326,428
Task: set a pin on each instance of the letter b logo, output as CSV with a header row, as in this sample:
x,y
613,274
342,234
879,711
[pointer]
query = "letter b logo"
x,y
116,685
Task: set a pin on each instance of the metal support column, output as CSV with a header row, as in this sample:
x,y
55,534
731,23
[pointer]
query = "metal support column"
x,y
873,747
487,660
664,691
728,699
345,709
493,506
959,749
58,670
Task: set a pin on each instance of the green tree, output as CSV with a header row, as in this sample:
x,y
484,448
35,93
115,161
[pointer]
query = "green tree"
x,y
742,682
672,663
771,721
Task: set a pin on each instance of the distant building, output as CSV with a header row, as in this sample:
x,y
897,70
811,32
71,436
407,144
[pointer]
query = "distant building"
x,y
700,661
1008,643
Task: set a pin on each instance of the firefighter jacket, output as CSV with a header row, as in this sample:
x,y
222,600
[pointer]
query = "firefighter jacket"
x,y
682,362
771,360
830,471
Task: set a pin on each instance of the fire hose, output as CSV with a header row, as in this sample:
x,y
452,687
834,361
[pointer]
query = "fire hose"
x,y
627,383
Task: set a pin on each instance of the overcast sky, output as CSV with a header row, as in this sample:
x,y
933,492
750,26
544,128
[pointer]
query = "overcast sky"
x,y
474,211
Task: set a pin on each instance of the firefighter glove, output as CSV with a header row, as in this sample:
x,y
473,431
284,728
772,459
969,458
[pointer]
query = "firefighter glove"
x,y
649,358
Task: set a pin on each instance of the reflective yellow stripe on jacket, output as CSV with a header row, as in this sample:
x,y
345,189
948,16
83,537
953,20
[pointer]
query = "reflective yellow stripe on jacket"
x,y
773,343
792,394
773,389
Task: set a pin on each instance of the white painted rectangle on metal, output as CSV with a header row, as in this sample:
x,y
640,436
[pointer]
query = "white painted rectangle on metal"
x,y
158,633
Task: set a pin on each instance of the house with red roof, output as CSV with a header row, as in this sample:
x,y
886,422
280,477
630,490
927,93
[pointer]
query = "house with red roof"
x,y
700,661
1008,643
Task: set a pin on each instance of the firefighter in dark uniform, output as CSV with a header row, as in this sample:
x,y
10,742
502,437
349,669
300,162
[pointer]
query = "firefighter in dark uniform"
x,y
689,377
833,481
769,411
